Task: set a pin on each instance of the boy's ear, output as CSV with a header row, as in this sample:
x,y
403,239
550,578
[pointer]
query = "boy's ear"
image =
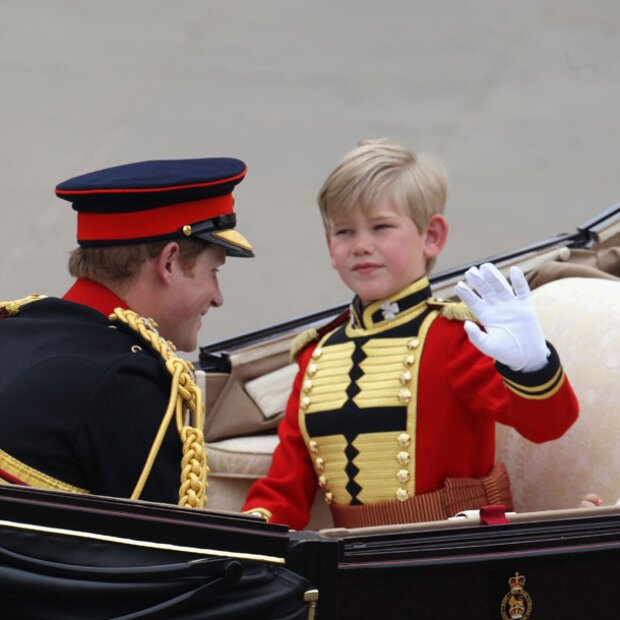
x,y
435,236
165,261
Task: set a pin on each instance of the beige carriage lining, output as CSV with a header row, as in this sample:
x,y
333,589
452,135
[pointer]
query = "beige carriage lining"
x,y
602,263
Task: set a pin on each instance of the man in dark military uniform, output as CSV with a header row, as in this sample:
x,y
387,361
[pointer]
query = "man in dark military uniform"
x,y
86,380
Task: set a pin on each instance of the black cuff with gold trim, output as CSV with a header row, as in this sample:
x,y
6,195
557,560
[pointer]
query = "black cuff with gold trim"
x,y
536,385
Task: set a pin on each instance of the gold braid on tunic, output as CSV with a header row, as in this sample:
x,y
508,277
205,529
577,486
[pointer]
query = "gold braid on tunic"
x,y
187,403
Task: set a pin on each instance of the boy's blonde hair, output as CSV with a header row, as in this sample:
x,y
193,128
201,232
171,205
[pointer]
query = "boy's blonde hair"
x,y
382,169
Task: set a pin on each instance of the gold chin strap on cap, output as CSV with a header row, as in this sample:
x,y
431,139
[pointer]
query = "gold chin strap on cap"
x,y
186,402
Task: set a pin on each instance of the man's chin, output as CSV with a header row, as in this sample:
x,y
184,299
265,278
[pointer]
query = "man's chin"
x,y
186,343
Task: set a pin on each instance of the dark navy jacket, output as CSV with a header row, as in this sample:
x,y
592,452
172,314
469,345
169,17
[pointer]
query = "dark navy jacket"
x,y
81,399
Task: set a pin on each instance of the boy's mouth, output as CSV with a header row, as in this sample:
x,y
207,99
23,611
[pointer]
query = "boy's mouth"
x,y
365,268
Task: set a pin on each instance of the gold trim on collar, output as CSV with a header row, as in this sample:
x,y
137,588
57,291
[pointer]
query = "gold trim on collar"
x,y
375,306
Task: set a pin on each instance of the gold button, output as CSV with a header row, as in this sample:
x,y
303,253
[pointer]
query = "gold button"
x,y
329,497
311,369
402,458
186,230
414,343
405,377
320,463
404,396
307,385
313,446
409,360
322,481
305,402
402,495
402,476
404,440
317,353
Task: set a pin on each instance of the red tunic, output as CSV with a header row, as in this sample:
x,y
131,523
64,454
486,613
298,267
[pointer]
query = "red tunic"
x,y
461,394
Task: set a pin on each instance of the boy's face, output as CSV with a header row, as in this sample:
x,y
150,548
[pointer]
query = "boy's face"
x,y
376,254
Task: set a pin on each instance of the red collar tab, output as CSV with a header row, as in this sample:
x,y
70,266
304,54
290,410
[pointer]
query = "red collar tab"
x,y
95,296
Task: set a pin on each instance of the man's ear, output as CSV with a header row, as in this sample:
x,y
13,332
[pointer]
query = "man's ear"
x,y
435,236
166,260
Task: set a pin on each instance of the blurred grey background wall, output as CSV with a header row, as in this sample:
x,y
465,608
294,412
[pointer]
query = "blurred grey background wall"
x,y
519,98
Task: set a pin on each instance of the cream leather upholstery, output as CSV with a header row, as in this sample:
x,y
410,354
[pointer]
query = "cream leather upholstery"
x,y
235,463
581,317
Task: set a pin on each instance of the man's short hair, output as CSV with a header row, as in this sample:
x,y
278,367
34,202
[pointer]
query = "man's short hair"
x,y
121,263
382,169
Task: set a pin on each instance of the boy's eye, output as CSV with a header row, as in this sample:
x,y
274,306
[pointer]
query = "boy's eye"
x,y
343,231
382,226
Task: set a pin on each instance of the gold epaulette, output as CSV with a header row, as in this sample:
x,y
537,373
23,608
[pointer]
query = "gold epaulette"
x,y
11,308
452,310
302,340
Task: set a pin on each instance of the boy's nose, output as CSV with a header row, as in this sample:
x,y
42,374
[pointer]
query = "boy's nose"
x,y
362,244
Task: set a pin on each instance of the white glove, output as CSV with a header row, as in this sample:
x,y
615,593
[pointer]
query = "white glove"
x,y
512,335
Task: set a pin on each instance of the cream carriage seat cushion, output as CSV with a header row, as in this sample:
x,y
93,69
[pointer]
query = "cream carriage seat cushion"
x,y
242,457
235,463
581,317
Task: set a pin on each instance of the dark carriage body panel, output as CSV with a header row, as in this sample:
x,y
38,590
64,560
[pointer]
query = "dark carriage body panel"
x,y
77,556
128,558
569,562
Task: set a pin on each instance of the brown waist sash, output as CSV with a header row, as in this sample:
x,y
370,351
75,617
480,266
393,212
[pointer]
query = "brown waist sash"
x,y
456,495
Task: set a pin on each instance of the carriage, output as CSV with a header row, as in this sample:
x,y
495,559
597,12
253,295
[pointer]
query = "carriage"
x,y
64,555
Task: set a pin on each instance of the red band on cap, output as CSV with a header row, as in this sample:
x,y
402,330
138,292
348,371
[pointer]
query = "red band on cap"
x,y
150,222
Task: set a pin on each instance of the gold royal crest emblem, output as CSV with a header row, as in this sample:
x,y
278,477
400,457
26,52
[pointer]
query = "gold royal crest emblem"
x,y
516,604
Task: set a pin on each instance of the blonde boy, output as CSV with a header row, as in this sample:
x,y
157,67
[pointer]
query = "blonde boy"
x,y
393,410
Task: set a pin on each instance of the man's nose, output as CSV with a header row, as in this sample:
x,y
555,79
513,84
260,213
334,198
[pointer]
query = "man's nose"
x,y
218,298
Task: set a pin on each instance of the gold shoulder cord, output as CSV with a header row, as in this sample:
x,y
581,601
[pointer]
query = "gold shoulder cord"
x,y
452,310
11,308
301,340
186,401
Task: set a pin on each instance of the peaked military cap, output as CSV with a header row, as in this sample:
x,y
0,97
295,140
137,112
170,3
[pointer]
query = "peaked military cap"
x,y
157,200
